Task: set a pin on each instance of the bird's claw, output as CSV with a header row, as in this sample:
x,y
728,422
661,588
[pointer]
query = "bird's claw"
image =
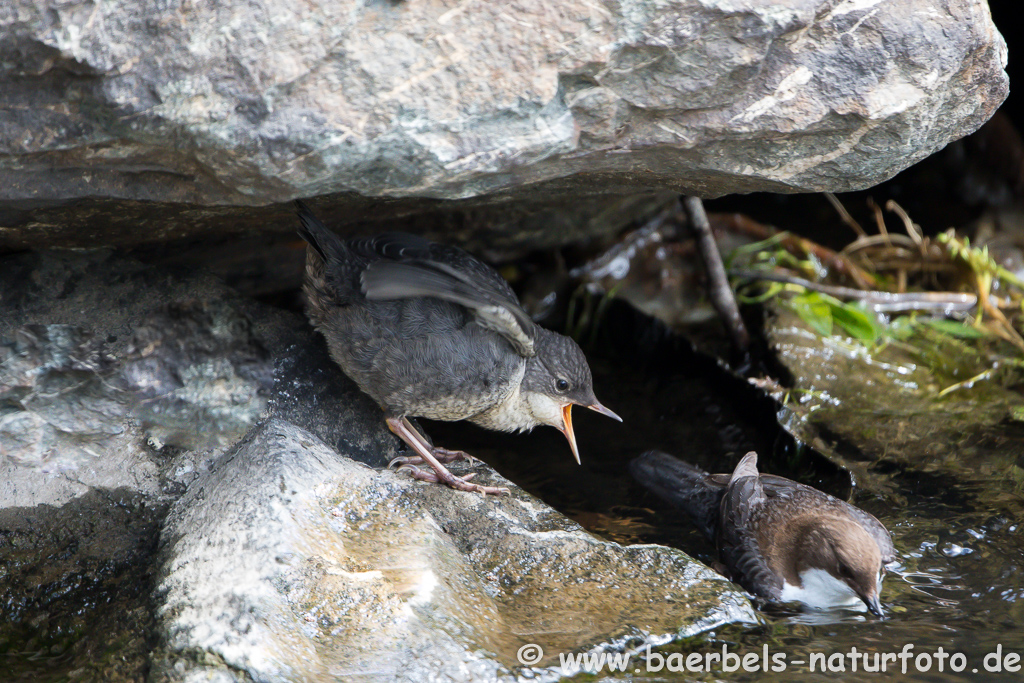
x,y
463,484
446,456
403,462
458,483
486,490
435,456
443,456
416,472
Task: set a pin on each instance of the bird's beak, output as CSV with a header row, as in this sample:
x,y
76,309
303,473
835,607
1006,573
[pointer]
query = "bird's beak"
x,y
598,408
567,430
874,606
567,424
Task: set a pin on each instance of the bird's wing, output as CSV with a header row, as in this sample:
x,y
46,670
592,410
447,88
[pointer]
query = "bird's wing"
x,y
738,540
406,248
395,246
494,307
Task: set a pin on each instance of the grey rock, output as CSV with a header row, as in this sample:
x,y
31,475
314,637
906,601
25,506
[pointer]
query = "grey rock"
x,y
75,587
104,363
64,420
289,562
156,110
196,376
125,388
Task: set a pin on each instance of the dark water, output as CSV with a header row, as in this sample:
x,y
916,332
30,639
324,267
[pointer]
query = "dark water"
x,y
957,582
75,600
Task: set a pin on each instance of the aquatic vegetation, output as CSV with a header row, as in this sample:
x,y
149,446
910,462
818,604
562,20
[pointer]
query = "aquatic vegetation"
x,y
943,302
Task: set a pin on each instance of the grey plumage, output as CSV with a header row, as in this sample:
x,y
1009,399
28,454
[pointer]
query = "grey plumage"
x,y
429,331
494,308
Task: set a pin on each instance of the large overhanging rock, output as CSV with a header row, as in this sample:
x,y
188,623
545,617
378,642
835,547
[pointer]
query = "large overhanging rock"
x,y
245,105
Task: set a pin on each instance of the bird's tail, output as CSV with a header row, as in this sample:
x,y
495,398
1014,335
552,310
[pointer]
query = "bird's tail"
x,y
682,485
328,282
747,476
326,243
746,467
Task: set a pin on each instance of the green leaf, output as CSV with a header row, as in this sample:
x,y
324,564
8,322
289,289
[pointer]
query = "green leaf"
x,y
856,321
955,328
823,312
813,311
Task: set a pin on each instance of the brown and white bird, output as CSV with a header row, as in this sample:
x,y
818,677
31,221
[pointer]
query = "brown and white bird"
x,y
426,330
781,540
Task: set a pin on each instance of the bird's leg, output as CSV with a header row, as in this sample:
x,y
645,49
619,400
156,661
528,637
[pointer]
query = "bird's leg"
x,y
442,455
407,433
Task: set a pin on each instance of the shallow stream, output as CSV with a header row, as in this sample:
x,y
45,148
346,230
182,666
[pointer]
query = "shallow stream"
x,y
957,582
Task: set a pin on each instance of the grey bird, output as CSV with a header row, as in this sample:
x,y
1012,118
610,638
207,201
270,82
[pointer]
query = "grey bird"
x,y
780,540
426,330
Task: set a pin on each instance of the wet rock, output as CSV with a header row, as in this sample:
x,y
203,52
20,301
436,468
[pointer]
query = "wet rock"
x,y
290,563
156,110
59,380
929,403
65,427
196,376
75,585
118,384
90,400
126,388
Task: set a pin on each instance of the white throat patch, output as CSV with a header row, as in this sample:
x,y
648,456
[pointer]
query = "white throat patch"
x,y
513,413
821,590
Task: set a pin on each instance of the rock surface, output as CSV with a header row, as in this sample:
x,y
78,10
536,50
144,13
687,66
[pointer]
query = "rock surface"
x,y
103,363
75,587
390,106
290,563
929,402
126,391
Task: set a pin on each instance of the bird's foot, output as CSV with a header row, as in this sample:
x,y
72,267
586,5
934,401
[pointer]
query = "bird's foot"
x,y
447,478
433,455
446,456
443,455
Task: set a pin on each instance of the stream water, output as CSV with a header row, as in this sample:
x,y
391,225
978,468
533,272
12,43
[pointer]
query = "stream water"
x,y
956,585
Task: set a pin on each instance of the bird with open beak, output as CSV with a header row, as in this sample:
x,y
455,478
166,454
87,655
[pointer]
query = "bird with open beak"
x,y
426,330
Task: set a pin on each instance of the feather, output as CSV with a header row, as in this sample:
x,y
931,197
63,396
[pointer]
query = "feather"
x,y
493,309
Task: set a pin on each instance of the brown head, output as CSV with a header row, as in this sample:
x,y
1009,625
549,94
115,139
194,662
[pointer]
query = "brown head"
x,y
843,548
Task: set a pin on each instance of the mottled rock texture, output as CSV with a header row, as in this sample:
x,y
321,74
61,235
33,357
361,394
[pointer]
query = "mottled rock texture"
x,y
292,564
290,552
390,106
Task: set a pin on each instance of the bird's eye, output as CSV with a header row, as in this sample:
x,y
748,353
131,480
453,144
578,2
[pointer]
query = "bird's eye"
x,y
561,385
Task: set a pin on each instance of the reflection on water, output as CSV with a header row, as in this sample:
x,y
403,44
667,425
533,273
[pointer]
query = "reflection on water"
x,y
956,583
